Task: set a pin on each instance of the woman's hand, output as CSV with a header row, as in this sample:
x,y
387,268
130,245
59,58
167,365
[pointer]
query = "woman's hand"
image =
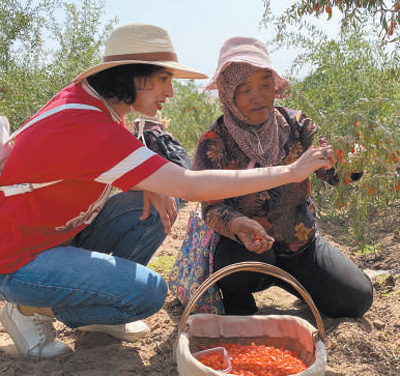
x,y
312,160
165,205
331,155
251,234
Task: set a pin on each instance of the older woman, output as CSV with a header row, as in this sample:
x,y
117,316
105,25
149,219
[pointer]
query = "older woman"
x,y
278,225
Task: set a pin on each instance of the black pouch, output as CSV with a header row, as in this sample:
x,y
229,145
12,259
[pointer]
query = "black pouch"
x,y
164,144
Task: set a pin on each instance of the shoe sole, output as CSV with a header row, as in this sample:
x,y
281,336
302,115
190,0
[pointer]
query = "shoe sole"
x,y
13,332
127,338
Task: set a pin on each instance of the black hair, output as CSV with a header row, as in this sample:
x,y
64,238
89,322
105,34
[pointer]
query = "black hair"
x,y
118,82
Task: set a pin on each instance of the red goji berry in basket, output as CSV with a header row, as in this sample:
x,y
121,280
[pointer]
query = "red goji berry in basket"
x,y
215,357
260,360
215,361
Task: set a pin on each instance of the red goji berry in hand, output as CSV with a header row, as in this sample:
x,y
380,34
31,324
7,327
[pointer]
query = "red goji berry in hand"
x,y
257,238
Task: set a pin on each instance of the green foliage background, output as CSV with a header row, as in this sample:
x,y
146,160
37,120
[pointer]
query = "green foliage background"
x,y
191,112
351,92
42,48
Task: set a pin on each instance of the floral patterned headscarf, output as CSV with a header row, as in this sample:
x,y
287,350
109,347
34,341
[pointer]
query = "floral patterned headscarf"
x,y
262,143
239,58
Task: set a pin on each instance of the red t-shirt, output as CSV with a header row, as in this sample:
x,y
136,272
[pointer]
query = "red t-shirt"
x,y
76,149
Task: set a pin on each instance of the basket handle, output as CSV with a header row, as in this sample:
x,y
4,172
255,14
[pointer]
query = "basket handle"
x,y
252,266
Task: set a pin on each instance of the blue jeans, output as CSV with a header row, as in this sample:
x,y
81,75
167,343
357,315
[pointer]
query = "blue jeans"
x,y
100,278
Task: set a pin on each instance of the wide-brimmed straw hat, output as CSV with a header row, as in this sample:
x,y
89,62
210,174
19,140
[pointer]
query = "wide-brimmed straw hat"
x,y
140,43
251,51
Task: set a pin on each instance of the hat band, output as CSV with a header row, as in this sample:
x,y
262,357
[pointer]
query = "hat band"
x,y
151,56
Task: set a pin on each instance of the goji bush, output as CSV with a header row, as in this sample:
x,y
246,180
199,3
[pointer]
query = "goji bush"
x,y
191,111
352,94
43,46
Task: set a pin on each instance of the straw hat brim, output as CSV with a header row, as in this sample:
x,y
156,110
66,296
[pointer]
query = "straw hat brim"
x,y
179,70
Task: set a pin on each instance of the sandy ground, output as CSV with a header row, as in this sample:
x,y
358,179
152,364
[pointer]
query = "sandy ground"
x,y
369,346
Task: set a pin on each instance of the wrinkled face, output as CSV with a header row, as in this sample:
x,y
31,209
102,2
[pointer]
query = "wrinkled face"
x,y
255,96
153,91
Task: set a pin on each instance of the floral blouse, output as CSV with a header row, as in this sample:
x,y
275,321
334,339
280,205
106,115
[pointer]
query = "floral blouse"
x,y
286,212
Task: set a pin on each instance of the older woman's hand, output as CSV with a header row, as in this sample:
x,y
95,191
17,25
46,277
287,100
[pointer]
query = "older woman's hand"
x,y
251,234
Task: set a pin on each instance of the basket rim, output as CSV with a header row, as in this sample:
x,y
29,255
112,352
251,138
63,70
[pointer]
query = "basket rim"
x,y
259,267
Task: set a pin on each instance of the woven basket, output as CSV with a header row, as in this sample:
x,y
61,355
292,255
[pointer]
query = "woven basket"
x,y
293,333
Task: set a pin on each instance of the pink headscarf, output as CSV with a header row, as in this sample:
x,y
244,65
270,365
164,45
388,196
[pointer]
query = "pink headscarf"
x,y
250,51
239,58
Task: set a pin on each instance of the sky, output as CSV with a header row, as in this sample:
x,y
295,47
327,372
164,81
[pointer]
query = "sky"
x,y
198,28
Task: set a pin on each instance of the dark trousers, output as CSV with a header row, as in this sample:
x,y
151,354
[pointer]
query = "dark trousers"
x,y
337,286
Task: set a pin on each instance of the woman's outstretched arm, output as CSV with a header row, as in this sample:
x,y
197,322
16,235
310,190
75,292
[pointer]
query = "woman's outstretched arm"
x,y
206,185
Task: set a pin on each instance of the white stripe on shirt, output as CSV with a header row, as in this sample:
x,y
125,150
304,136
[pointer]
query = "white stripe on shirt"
x,y
132,161
20,188
17,189
69,106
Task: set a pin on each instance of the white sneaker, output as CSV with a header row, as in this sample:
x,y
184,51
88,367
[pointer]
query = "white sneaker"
x,y
130,332
34,336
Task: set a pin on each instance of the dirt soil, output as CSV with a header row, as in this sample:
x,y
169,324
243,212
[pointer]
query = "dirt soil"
x,y
369,346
